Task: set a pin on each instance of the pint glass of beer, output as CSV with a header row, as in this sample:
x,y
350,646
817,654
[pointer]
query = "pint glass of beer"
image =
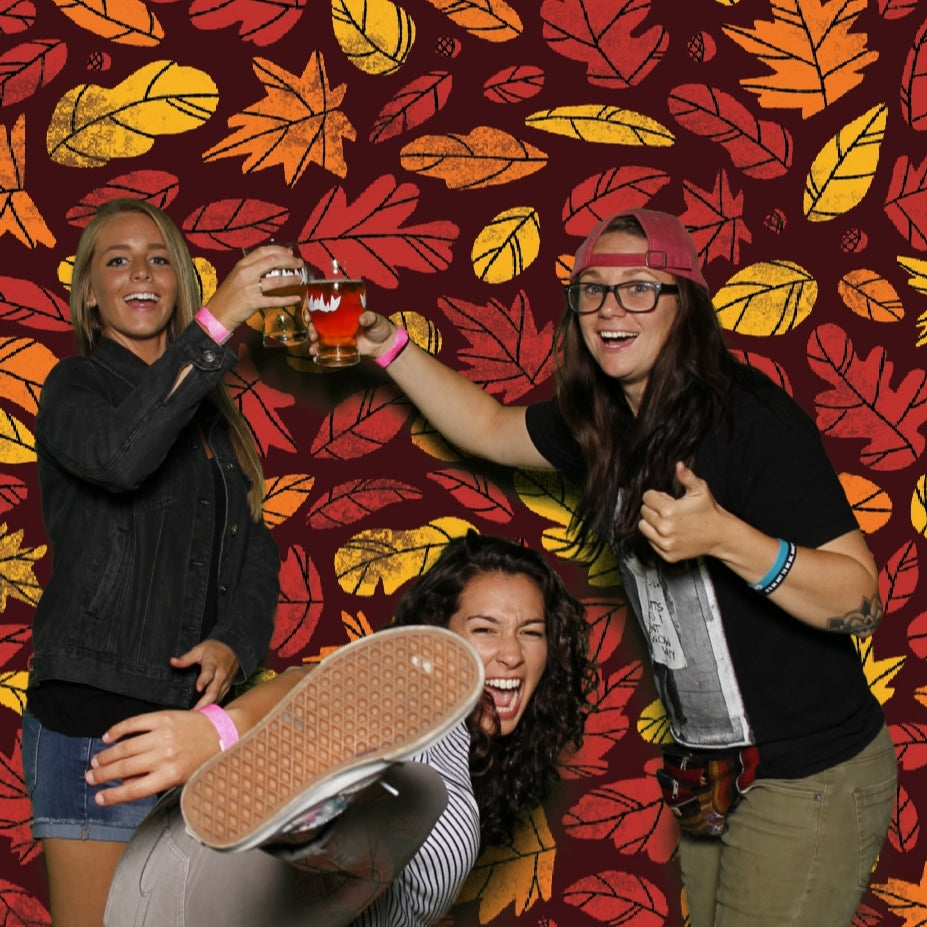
x,y
335,302
284,325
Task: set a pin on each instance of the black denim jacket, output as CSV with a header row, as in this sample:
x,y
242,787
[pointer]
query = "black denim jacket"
x,y
129,509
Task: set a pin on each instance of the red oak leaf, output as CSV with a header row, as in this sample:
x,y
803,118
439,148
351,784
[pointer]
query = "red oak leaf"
x,y
361,424
607,724
614,897
33,306
631,813
16,16
259,404
300,605
13,637
603,36
898,578
412,106
475,492
906,201
715,220
15,807
905,825
233,223
368,237
914,82
866,917
260,21
759,147
910,741
514,84
29,67
603,195
349,502
12,491
917,635
156,187
862,402
508,355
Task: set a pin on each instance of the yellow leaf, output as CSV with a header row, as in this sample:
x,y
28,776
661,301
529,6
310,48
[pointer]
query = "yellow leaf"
x,y
509,244
919,506
493,20
375,35
879,673
842,172
17,444
18,213
127,22
298,122
549,494
13,690
916,268
871,296
17,578
768,298
520,874
422,331
610,125
93,124
391,557
207,278
283,495
24,364
871,504
653,724
482,158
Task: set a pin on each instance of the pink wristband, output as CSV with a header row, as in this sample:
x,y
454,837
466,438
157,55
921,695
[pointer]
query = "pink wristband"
x,y
224,725
399,342
217,331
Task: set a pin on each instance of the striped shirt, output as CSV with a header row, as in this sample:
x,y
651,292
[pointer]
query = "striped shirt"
x,y
425,890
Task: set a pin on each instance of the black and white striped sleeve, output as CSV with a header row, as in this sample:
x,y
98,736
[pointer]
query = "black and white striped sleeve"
x,y
425,890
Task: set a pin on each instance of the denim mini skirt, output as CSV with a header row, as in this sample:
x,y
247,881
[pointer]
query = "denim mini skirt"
x,y
62,802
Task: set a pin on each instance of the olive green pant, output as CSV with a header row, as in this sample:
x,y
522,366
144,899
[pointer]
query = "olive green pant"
x,y
797,852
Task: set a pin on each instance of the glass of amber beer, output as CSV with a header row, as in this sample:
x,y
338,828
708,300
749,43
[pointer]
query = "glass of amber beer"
x,y
285,325
335,302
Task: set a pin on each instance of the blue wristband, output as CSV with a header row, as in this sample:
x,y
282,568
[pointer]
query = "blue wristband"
x,y
775,569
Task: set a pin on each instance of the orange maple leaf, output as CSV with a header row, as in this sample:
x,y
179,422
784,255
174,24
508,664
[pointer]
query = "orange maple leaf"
x,y
18,213
814,57
298,122
907,900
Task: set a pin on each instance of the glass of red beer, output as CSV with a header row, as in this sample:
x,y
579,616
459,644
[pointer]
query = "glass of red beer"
x,y
335,302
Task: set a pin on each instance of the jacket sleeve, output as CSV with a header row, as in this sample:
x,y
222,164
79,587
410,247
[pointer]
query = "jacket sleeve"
x,y
248,624
117,445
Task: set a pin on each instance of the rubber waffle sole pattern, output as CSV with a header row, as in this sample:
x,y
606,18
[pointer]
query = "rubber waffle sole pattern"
x,y
376,701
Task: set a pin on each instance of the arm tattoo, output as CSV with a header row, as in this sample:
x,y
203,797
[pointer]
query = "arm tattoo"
x,y
862,622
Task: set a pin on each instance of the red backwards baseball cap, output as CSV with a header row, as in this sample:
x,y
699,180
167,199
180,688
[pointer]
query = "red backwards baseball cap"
x,y
669,247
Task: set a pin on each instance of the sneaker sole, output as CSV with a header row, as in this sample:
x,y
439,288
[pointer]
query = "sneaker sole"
x,y
376,701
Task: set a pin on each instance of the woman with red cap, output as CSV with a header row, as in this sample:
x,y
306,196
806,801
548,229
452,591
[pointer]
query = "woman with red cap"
x,y
739,554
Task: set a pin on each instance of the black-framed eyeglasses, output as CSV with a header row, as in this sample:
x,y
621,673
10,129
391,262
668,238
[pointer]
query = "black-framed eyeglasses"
x,y
632,295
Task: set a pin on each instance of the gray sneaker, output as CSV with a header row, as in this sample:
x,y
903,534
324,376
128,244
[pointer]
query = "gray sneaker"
x,y
374,702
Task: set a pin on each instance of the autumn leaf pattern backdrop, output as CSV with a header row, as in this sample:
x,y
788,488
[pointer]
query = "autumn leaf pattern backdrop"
x,y
454,153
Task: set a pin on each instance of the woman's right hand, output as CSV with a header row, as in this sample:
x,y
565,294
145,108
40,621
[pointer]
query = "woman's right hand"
x,y
239,295
151,753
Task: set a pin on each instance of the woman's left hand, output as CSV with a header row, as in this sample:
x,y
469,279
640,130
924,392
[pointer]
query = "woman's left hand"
x,y
684,528
218,668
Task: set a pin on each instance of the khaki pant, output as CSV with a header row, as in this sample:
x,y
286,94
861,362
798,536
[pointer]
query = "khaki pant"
x,y
166,878
797,852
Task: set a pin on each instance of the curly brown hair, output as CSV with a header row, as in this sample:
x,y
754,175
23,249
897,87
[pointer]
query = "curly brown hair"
x,y
513,774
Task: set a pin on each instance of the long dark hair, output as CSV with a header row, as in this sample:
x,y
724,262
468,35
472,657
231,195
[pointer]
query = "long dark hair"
x,y
88,327
687,393
513,774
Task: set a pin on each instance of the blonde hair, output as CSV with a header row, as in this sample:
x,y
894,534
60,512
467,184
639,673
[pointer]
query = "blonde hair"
x,y
88,328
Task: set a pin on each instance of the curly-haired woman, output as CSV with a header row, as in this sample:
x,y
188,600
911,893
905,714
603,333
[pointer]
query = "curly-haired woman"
x,y
398,853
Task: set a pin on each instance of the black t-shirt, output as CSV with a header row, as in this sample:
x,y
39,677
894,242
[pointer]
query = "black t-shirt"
x,y
732,668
